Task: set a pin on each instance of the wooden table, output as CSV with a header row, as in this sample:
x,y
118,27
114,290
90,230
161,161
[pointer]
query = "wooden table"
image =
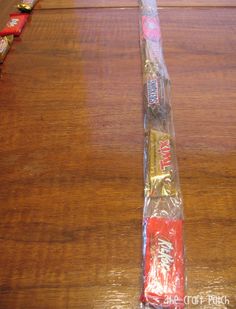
x,y
71,130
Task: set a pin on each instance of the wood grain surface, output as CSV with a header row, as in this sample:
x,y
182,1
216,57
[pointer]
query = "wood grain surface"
x,y
49,4
10,5
71,130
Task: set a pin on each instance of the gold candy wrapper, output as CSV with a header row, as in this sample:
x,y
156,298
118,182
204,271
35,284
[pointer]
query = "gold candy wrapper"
x,y
10,39
161,175
26,6
5,44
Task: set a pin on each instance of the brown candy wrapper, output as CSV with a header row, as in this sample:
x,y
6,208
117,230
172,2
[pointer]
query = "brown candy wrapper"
x,y
160,165
5,44
156,94
26,6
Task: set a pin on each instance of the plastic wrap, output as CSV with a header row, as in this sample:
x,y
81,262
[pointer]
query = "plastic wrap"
x,y
163,258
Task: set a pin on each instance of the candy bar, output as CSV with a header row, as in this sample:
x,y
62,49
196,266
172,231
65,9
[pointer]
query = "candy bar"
x,y
5,44
151,30
161,170
164,267
155,93
15,24
26,6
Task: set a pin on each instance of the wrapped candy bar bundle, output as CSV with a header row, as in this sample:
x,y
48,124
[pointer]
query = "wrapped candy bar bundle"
x,y
14,26
163,250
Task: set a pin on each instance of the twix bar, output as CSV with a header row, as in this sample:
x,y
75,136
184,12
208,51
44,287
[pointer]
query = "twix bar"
x,y
160,161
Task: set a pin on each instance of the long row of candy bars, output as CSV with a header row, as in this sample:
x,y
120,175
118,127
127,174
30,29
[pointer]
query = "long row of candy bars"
x,y
14,26
163,258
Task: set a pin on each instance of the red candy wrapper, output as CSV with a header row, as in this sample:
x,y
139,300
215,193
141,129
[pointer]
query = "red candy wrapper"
x,y
164,263
151,29
15,24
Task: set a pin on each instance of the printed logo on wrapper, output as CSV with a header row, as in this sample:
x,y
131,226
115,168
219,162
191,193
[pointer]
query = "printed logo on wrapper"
x,y
161,177
13,22
165,254
165,151
152,92
164,263
151,29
